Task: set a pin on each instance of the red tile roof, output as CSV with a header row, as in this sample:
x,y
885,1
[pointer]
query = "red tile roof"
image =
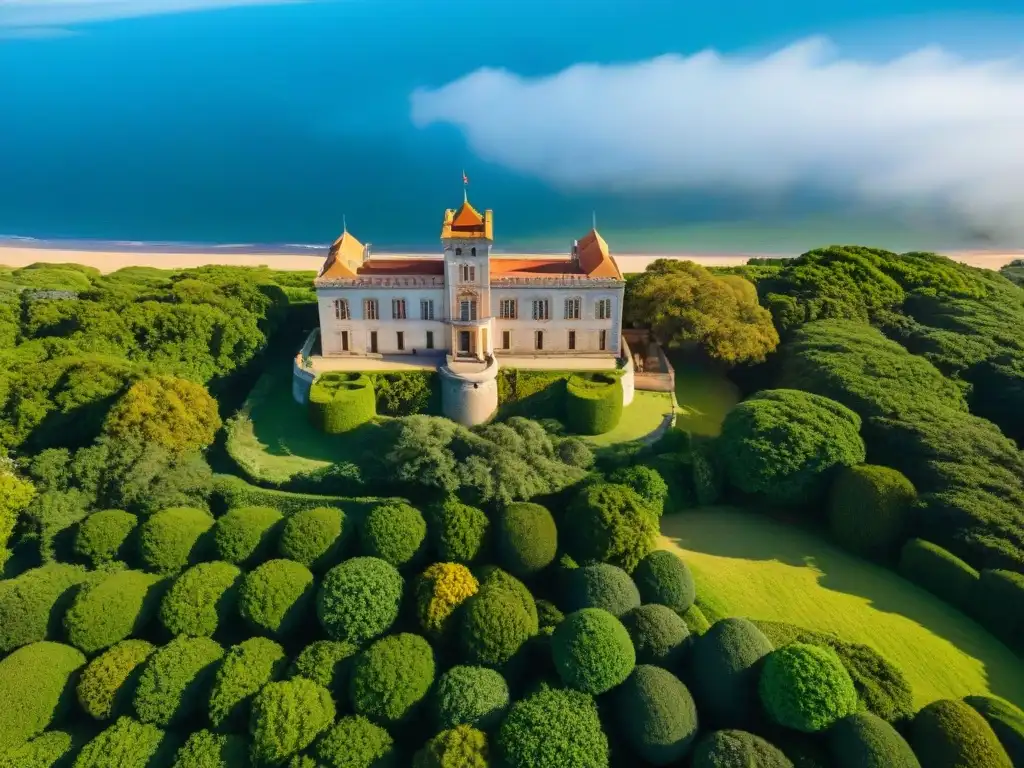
x,y
387,267
533,267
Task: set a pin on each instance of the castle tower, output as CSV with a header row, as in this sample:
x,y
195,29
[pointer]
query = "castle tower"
x,y
466,236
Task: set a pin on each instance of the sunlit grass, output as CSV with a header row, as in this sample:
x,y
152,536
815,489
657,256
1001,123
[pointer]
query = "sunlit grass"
x,y
639,419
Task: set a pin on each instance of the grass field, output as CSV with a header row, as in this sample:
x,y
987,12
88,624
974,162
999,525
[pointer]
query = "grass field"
x,y
748,565
704,397
639,419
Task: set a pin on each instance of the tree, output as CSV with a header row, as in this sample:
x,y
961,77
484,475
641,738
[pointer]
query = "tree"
x,y
175,414
15,495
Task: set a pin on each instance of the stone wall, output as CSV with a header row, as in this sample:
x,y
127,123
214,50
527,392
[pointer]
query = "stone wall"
x,y
470,398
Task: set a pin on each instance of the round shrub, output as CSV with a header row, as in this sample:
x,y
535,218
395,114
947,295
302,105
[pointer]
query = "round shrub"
x,y
246,535
492,577
359,599
657,714
659,635
204,749
460,747
275,597
107,685
553,728
648,484
940,572
49,749
395,533
997,601
246,668
737,749
600,586
112,609
32,603
201,599
696,621
593,402
327,663
440,590
525,538
127,744
868,507
104,536
725,663
340,401
175,414
592,651
494,625
176,679
315,537
35,688
575,452
806,687
286,717
391,677
611,524
864,740
1006,720
355,742
663,578
475,696
951,734
175,538
458,532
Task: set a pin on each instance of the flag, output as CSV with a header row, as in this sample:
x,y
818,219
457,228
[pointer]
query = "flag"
x,y
465,178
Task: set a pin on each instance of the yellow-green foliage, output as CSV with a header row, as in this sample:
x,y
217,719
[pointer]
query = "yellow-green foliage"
x,y
15,495
103,536
201,599
176,414
340,401
126,743
593,402
441,589
175,680
30,603
287,717
105,687
459,747
175,538
113,609
246,668
52,749
276,596
246,534
34,687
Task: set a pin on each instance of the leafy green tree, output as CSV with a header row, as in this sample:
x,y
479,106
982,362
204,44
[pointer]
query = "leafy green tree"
x,y
175,414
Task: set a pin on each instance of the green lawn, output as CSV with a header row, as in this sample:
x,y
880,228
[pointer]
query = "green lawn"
x,y
704,396
748,565
639,419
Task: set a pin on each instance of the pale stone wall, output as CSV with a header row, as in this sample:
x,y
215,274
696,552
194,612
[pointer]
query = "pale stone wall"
x,y
359,328
469,398
522,330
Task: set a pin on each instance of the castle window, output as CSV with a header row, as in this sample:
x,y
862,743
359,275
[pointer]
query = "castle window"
x,y
400,340
472,251
458,251
538,340
506,339
602,340
604,309
541,309
572,339
467,273
507,310
341,309
467,309
426,309
430,339
371,310
398,309
572,309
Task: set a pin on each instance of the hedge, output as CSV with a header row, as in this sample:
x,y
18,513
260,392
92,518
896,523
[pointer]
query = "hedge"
x,y
495,624
997,602
725,662
276,597
202,599
465,695
35,688
864,740
246,668
246,535
391,677
340,401
940,572
706,472
117,607
950,734
439,591
355,742
458,532
659,635
107,685
327,663
609,523
548,616
315,537
868,507
105,536
175,680
737,749
657,715
525,537
127,744
806,687
359,599
395,533
663,578
491,577
536,394
696,621
204,749
574,452
599,586
460,747
1006,721
553,728
52,749
647,482
32,604
175,538
593,402
404,393
230,492
592,651
286,718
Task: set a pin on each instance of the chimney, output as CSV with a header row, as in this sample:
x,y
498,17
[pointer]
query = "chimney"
x,y
575,251
366,252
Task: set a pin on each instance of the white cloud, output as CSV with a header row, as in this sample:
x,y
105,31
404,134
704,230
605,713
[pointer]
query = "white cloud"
x,y
36,14
927,127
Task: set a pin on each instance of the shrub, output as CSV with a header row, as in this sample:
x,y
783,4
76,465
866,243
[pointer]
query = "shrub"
x,y
950,734
868,507
864,740
575,453
327,663
32,605
48,750
246,535
202,599
940,572
176,414
230,492
359,599
395,533
663,578
648,484
593,403
592,651
35,686
737,749
440,590
104,536
600,586
1006,721
112,609
553,728
548,616
315,537
659,635
609,523
204,749
174,539
492,577
495,624
175,680
806,687
246,668
339,402
460,747
657,714
355,742
696,621
391,677
127,744
403,393
707,472
475,696
276,597
525,538
725,664
286,717
107,685
997,601
459,532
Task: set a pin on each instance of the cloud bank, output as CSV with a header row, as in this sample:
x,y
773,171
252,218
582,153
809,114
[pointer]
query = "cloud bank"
x,y
925,128
42,14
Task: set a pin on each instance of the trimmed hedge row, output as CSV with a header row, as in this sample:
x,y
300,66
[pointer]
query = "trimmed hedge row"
x,y
404,393
341,401
940,572
115,608
45,669
997,602
31,604
230,492
593,402
868,509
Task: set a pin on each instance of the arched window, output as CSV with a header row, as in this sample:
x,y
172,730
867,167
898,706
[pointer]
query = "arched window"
x,y
468,306
458,251
473,251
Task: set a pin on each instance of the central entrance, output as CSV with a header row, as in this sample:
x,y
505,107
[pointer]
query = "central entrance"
x,y
465,344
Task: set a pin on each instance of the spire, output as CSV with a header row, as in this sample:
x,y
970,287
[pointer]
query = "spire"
x,y
593,217
465,185
344,225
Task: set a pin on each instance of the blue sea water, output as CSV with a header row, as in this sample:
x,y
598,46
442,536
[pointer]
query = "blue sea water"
x,y
267,124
